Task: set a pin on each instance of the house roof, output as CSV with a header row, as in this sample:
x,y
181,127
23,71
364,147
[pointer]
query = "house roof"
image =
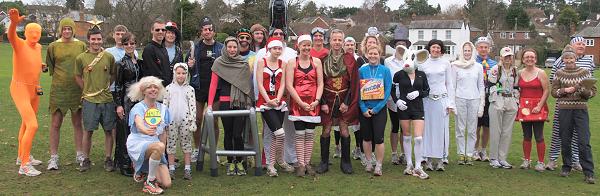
x,y
446,43
436,24
589,32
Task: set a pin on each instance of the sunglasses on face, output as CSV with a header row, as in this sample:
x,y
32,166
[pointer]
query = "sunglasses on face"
x,y
279,33
244,37
207,29
129,44
159,30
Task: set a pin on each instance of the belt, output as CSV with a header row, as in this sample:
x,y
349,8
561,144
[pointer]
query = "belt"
x,y
437,97
506,94
336,92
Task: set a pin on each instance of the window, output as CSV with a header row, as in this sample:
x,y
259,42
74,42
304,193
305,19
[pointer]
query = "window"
x,y
448,49
511,35
526,35
420,34
434,34
448,34
589,42
503,35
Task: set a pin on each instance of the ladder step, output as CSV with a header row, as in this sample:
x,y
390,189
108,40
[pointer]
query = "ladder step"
x,y
235,153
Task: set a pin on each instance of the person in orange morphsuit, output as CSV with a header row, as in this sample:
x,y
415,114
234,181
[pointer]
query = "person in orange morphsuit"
x,y
27,66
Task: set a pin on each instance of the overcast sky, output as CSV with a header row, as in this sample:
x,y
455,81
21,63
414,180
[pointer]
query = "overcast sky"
x,y
393,4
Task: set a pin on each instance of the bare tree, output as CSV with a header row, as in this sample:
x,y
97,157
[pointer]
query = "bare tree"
x,y
139,15
50,2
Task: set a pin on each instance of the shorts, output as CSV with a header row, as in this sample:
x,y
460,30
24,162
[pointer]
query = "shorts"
x,y
411,115
99,113
373,128
485,119
201,95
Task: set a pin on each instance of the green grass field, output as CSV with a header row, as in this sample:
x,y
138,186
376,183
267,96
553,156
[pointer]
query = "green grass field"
x,y
456,180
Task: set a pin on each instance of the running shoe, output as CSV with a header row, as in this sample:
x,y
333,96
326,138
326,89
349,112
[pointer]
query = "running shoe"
x,y
461,159
286,167
240,170
476,156
469,161
139,177
484,156
29,170
109,165
565,173
363,159
505,165
195,153
402,159
590,180
429,165
231,169
85,165
79,158
337,153
418,172
53,162
440,166
395,158
495,164
526,164
539,167
152,188
32,161
408,170
373,159
356,153
445,161
187,174
377,171
310,170
369,168
271,171
577,166
552,165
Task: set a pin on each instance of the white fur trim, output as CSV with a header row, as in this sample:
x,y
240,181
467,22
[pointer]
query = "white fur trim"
x,y
304,38
310,130
300,132
310,119
282,107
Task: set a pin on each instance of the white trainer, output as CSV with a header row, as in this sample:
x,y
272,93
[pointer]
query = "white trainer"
x,y
53,162
29,170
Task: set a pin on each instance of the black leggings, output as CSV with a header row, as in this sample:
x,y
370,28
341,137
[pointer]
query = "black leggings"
x,y
395,121
373,128
274,119
301,125
536,127
234,127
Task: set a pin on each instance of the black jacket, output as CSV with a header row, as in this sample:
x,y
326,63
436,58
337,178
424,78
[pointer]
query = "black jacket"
x,y
420,84
128,73
156,62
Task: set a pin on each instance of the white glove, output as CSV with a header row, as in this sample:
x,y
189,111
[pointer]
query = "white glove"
x,y
412,95
481,106
401,104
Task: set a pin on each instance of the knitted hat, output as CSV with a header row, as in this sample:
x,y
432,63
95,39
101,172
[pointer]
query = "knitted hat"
x,y
483,40
258,27
577,39
244,31
66,22
568,50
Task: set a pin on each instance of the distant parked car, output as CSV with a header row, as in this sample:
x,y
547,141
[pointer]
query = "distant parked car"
x,y
549,62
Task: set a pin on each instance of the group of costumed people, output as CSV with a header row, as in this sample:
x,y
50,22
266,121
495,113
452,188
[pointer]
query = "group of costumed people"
x,y
148,105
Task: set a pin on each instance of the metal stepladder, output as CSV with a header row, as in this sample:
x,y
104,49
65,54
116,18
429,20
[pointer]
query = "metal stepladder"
x,y
208,137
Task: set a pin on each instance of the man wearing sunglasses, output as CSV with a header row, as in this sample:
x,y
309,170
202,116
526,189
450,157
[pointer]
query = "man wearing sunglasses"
x,y
244,37
289,149
205,53
318,50
156,60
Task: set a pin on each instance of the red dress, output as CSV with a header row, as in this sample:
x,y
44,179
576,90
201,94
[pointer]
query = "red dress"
x,y
342,89
531,90
305,85
271,83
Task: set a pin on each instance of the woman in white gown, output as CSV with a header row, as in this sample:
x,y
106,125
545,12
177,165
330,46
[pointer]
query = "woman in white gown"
x,y
438,106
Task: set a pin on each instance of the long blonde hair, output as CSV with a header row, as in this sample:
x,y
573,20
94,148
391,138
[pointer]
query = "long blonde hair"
x,y
136,90
363,44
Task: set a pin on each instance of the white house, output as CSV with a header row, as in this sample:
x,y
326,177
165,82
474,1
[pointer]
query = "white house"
x,y
451,32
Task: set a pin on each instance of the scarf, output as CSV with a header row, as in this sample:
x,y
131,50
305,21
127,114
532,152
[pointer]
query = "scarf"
x,y
466,63
234,69
334,65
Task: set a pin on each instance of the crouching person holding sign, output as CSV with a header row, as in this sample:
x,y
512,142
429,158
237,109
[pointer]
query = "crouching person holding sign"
x,y
146,142
375,87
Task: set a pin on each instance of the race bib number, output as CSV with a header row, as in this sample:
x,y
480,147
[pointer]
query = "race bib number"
x,y
371,89
152,116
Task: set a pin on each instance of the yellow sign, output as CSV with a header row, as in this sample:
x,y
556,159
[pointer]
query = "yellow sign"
x,y
152,116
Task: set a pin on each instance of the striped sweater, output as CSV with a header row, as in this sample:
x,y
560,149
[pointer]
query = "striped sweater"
x,y
571,77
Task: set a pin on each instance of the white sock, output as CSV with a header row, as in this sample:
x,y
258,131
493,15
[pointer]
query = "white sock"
x,y
418,155
172,167
152,166
188,167
407,144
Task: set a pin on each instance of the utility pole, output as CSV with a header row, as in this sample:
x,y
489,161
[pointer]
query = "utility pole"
x,y
515,37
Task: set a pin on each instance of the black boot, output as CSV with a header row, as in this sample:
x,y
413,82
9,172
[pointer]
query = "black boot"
x,y
345,164
324,165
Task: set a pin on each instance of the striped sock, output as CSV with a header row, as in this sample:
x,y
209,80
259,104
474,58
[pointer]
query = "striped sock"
x,y
299,144
277,146
309,142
